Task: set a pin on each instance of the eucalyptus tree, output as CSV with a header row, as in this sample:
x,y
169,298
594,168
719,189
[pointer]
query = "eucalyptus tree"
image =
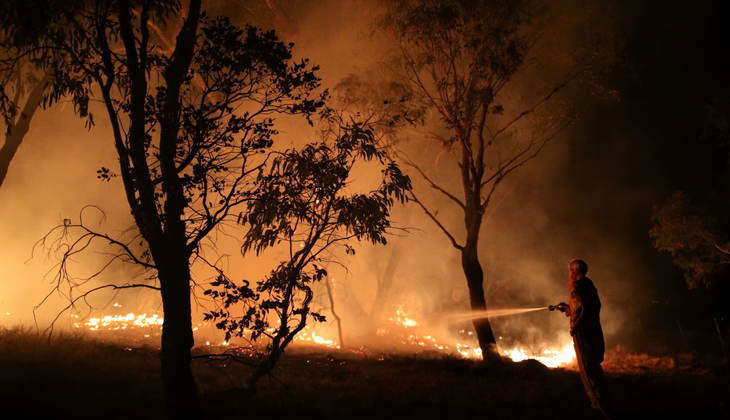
x,y
191,125
694,238
19,110
305,203
459,60
21,95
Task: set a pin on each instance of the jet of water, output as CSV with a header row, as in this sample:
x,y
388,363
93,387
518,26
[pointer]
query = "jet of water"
x,y
492,313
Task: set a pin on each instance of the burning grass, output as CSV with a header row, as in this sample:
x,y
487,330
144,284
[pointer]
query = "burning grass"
x,y
72,376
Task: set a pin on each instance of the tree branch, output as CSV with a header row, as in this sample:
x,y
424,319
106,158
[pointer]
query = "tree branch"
x,y
84,296
547,97
435,220
403,157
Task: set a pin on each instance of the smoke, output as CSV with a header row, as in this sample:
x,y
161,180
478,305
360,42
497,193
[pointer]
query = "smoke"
x,y
542,217
51,178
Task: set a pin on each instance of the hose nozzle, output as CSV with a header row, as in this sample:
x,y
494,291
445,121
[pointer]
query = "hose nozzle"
x,y
562,306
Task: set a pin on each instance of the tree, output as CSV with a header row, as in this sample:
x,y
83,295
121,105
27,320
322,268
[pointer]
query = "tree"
x,y
694,230
692,237
191,127
303,201
460,59
21,94
17,123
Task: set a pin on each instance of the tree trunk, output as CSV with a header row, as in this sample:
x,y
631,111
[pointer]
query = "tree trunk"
x,y
384,286
331,297
180,390
475,281
16,132
386,283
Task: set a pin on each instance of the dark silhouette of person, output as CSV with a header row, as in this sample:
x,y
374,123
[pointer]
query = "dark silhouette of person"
x,y
584,311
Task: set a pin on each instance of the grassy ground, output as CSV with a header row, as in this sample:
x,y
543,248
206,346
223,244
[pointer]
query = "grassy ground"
x,y
77,378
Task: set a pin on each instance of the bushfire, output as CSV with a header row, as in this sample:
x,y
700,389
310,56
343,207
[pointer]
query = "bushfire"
x,y
151,325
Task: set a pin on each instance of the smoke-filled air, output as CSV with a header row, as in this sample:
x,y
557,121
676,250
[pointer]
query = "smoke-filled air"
x,y
449,208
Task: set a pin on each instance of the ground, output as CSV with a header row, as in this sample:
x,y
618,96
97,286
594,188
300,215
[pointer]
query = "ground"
x,y
78,378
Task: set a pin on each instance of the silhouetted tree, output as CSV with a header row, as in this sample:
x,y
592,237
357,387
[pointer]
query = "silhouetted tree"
x,y
21,94
694,231
18,114
460,60
692,237
191,127
303,201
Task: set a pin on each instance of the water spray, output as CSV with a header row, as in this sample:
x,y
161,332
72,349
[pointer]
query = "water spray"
x,y
493,313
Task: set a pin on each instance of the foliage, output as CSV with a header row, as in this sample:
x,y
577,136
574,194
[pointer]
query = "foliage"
x,y
21,91
239,79
467,49
693,238
375,92
302,201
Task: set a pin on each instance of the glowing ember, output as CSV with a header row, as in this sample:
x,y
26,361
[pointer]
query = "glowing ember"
x,y
468,352
550,358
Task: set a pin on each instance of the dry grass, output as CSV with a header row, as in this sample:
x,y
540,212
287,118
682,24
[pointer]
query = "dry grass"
x,y
621,360
70,376
77,378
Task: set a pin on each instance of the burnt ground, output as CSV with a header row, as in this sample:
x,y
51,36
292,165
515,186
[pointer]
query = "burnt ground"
x,y
75,378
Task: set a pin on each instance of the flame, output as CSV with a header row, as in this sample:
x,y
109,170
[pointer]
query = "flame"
x,y
132,321
550,358
121,322
400,322
304,335
402,318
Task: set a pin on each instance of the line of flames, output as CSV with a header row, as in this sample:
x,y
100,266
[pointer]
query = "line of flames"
x,y
130,321
550,358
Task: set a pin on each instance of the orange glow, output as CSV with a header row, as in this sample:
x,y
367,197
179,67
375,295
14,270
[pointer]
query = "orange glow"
x,y
549,358
552,358
121,322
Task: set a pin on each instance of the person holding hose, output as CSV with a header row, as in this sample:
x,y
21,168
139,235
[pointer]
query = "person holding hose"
x,y
584,311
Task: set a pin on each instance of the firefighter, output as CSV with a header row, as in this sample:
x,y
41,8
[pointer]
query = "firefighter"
x,y
584,311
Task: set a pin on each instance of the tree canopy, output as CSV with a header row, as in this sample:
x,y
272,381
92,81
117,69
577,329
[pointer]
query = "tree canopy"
x,y
693,237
